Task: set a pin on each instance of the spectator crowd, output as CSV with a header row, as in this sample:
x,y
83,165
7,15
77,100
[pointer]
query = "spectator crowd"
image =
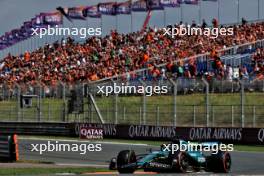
x,y
118,54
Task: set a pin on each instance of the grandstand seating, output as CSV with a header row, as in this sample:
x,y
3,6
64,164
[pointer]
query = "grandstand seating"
x,y
119,54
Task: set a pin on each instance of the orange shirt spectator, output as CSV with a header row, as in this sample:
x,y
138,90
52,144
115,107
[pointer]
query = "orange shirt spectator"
x,y
145,57
27,56
94,77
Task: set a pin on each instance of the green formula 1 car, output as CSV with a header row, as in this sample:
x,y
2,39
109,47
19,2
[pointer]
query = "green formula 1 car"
x,y
168,160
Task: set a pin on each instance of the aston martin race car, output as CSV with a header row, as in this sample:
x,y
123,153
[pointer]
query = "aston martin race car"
x,y
167,160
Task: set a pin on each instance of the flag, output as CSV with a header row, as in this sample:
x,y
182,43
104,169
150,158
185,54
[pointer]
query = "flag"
x,y
154,5
77,13
37,22
108,8
193,2
170,3
18,34
92,11
6,41
123,7
139,6
23,33
52,18
64,12
26,28
10,39
3,43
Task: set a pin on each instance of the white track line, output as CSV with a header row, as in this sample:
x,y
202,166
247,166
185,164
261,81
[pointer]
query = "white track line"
x,y
82,165
237,151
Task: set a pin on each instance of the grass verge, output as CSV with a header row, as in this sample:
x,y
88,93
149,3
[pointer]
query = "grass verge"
x,y
40,171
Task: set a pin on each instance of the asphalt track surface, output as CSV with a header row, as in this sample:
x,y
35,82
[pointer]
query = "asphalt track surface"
x,y
242,162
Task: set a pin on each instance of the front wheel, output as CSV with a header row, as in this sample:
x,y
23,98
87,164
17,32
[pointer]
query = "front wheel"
x,y
124,158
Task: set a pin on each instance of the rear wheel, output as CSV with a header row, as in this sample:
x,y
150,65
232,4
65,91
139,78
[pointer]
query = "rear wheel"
x,y
123,158
226,162
220,162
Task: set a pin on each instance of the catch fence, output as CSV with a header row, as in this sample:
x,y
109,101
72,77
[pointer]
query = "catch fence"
x,y
194,102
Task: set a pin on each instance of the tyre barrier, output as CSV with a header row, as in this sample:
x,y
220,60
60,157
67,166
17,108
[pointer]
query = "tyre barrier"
x,y
9,148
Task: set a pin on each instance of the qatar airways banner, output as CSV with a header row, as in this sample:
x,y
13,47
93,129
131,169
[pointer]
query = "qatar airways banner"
x,y
148,132
88,132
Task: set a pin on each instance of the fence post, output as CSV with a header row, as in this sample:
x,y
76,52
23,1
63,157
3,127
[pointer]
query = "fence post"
x,y
254,116
64,102
124,113
39,103
157,116
18,102
89,104
140,115
92,120
49,110
213,116
242,103
107,114
144,103
22,115
114,103
194,115
232,115
207,102
116,111
174,83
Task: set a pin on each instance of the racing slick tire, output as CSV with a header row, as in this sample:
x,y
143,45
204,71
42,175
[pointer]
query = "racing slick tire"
x,y
125,157
219,163
180,162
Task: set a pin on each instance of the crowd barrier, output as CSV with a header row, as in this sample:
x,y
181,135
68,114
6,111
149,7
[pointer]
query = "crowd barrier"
x,y
141,132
